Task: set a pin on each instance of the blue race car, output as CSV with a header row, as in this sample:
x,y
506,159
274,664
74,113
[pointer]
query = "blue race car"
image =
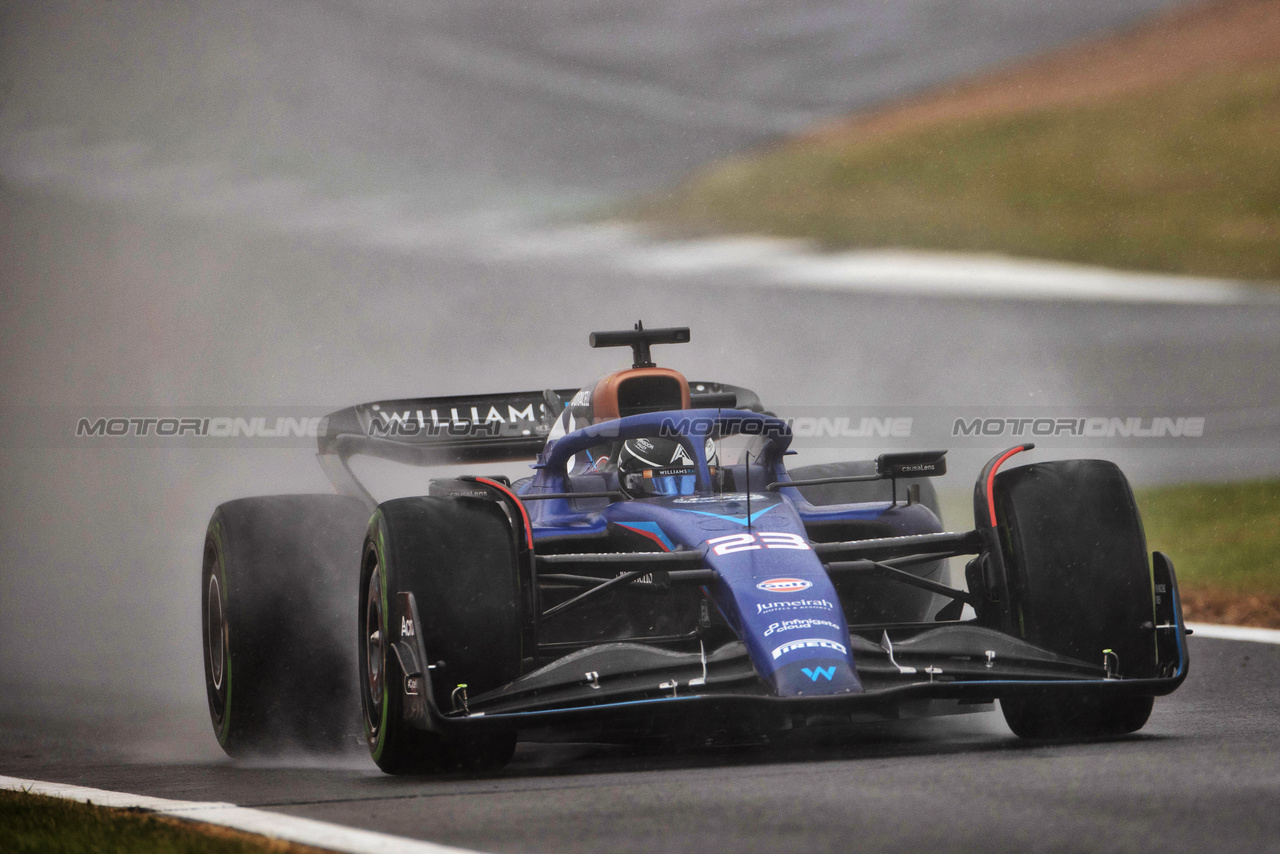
x,y
663,572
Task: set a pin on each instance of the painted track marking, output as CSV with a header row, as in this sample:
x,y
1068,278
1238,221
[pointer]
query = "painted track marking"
x,y
773,262
1236,633
305,831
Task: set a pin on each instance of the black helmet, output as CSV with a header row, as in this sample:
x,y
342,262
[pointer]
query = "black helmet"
x,y
654,466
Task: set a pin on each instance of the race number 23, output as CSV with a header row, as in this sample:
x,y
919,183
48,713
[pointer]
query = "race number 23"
x,y
745,542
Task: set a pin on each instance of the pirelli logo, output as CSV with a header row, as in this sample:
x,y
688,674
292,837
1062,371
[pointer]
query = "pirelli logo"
x,y
809,643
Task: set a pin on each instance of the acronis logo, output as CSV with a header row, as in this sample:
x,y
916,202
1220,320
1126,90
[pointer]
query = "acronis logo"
x,y
824,672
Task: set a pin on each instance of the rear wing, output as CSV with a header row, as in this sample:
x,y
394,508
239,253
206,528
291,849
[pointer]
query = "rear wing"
x,y
492,428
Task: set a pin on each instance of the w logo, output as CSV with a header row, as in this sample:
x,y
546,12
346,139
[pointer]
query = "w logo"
x,y
824,672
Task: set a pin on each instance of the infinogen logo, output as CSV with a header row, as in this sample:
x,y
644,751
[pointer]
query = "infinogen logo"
x,y
784,585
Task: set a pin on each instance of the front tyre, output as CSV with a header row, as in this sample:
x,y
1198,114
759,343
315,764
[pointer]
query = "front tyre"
x,y
457,556
1078,585
1075,717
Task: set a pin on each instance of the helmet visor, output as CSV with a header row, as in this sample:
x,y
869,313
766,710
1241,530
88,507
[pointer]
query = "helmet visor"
x,y
666,482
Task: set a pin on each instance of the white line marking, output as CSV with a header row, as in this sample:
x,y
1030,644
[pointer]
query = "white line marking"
x,y
912,273
1238,633
276,825
772,262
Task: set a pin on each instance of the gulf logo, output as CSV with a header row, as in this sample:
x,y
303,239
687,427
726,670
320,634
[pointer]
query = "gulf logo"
x,y
784,585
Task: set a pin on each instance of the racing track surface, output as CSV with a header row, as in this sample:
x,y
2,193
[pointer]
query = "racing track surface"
x,y
308,204
1202,776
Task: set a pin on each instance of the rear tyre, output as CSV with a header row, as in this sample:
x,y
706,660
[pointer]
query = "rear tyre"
x,y
1079,585
457,556
276,588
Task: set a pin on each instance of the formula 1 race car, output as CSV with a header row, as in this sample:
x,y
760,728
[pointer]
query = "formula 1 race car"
x,y
662,572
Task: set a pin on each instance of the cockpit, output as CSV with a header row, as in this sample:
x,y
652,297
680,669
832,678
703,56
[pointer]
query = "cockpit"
x,y
665,454
630,461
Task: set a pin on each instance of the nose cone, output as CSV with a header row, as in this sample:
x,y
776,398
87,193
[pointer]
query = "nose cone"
x,y
786,610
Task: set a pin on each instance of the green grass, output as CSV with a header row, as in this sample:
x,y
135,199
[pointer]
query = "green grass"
x,y
1182,178
35,823
1220,536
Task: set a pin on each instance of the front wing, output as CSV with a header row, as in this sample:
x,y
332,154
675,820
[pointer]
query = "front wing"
x,y
951,668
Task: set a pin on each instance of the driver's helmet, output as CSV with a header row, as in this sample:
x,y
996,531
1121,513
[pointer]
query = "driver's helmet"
x,y
655,466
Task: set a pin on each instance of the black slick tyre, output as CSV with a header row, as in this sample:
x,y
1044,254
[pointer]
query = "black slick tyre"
x,y
457,556
1075,717
277,592
1079,584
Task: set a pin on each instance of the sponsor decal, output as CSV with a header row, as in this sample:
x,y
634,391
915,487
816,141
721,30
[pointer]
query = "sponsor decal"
x,y
647,578
824,672
723,498
784,585
799,623
406,627
454,421
809,643
794,605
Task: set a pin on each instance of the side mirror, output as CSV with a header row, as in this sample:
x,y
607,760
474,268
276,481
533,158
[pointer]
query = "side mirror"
x,y
912,464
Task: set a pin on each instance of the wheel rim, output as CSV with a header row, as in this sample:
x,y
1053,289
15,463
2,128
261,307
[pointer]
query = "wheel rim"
x,y
374,649
216,631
